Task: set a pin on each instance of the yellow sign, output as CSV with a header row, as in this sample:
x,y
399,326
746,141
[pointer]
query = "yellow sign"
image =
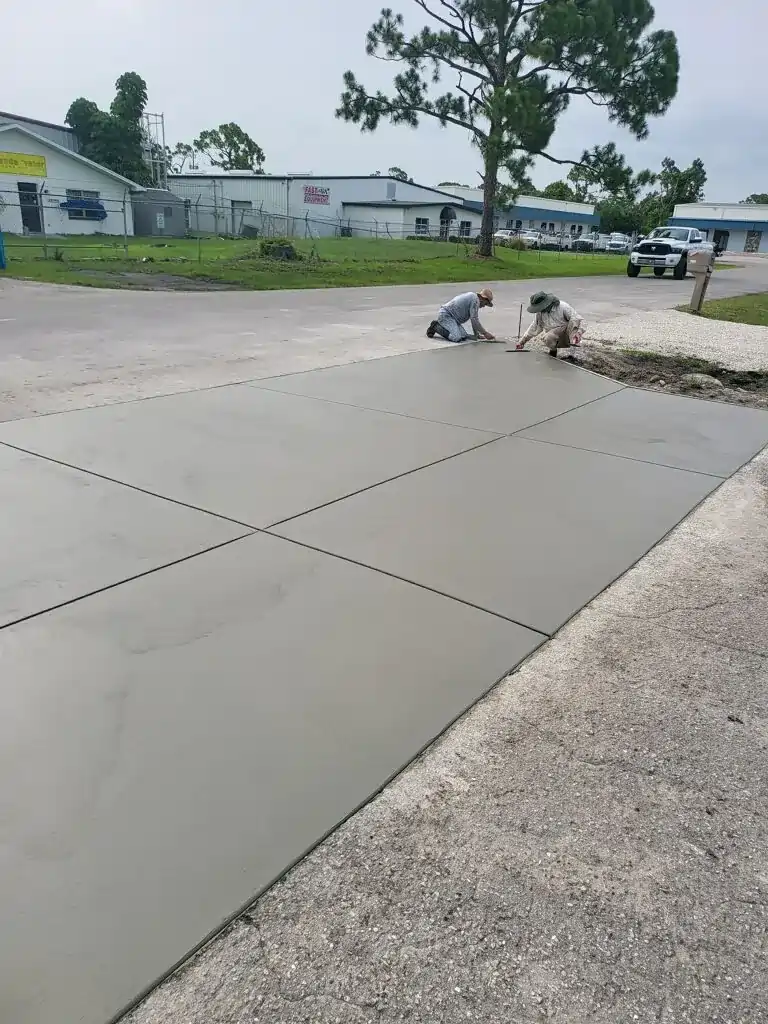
x,y
23,163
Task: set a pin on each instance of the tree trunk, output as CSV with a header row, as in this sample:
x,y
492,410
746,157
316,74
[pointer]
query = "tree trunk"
x,y
490,187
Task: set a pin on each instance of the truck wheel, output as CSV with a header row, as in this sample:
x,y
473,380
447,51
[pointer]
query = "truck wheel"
x,y
681,269
658,271
633,269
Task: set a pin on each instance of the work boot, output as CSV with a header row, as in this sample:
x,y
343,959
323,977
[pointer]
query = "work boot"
x,y
553,352
432,329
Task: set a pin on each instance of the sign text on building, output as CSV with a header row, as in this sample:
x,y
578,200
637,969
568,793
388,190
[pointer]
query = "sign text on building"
x,y
317,196
23,163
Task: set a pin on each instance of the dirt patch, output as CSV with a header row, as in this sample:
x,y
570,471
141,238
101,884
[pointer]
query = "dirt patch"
x,y
152,282
682,375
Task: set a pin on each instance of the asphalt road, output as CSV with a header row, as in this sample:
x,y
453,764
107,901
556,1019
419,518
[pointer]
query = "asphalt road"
x,y
65,348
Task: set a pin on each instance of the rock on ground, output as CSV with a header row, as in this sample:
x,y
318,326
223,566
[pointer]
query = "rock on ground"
x,y
588,844
700,380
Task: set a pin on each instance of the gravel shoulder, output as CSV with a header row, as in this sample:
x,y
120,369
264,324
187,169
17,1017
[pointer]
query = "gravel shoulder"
x,y
671,332
589,843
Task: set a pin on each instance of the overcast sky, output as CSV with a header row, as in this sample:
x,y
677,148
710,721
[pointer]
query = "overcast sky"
x,y
276,70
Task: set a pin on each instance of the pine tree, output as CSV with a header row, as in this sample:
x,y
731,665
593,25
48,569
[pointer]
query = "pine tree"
x,y
515,67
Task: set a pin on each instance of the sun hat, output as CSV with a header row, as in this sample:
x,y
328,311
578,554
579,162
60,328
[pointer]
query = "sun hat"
x,y
486,294
541,301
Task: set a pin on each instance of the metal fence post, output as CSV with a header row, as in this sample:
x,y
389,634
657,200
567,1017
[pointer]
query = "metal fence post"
x,y
125,224
42,220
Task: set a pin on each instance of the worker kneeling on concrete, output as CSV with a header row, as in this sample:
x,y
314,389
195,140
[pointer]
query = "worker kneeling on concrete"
x,y
454,314
559,323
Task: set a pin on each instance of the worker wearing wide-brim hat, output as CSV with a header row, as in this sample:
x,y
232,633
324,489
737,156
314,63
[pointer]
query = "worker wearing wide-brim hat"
x,y
463,309
559,323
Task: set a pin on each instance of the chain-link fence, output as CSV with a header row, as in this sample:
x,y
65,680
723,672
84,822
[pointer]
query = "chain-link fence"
x,y
54,221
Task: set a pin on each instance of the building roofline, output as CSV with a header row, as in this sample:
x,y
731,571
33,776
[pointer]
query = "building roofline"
x,y
717,224
712,206
400,203
16,127
34,120
224,176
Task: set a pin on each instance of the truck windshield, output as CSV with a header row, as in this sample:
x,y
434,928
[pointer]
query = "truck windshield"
x,y
679,234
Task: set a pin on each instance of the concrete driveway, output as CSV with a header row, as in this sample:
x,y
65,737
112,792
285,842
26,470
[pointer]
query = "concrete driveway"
x,y
64,348
230,615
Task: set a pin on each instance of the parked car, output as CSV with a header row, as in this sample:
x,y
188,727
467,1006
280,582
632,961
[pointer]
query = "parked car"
x,y
667,248
553,240
504,236
531,239
592,241
618,242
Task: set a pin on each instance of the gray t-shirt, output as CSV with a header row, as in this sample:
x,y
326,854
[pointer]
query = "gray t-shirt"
x,y
465,307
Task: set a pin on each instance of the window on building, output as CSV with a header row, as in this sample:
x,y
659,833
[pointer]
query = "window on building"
x,y
531,224
551,226
87,212
543,225
518,225
422,225
580,229
167,212
465,228
573,229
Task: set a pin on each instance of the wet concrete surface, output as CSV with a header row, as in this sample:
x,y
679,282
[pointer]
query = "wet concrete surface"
x,y
66,533
588,845
172,743
525,530
479,386
254,456
685,433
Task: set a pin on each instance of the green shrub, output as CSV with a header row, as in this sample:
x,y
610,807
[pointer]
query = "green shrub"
x,y
278,249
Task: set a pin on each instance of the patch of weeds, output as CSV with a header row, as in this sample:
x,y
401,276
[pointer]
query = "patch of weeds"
x,y
672,374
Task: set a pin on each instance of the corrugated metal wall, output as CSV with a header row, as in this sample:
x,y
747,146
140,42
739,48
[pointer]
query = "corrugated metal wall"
x,y
296,206
60,135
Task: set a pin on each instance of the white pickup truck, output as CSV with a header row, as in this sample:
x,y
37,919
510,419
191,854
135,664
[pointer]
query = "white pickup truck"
x,y
666,249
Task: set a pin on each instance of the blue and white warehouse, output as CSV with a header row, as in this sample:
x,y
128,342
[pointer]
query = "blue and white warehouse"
x,y
237,203
742,227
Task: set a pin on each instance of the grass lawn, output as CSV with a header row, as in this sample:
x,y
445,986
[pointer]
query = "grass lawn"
x,y
102,261
743,309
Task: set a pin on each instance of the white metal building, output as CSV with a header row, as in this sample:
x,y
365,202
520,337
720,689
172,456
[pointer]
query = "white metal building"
x,y
309,205
46,187
740,227
234,203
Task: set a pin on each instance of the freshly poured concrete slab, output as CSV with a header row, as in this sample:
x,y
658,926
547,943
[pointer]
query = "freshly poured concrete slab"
x,y
480,386
687,433
255,456
64,534
169,746
527,530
